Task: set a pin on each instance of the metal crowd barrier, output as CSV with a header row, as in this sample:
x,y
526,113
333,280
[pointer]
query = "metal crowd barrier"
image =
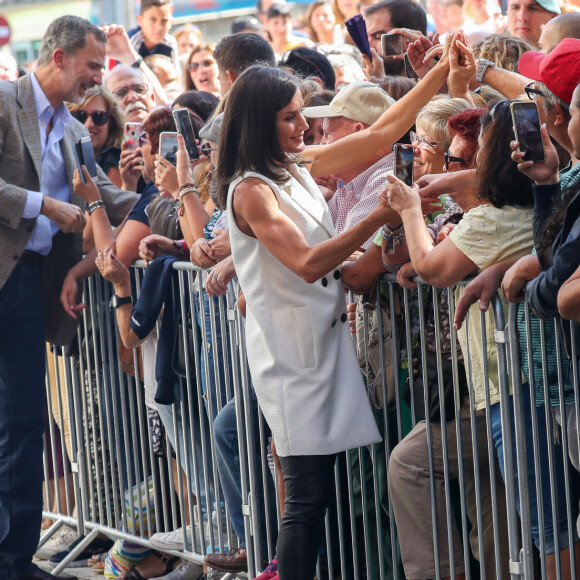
x,y
119,480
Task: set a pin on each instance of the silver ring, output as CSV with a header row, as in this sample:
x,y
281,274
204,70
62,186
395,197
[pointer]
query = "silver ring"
x,y
214,275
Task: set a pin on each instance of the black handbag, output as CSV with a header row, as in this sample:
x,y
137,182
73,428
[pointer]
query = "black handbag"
x,y
430,383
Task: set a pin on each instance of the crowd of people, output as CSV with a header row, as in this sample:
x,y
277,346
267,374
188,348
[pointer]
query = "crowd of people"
x,y
294,197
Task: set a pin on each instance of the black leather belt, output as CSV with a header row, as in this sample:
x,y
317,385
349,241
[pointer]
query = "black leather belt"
x,y
29,258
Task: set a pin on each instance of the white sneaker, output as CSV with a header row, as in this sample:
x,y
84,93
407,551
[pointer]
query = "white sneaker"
x,y
185,571
58,542
172,540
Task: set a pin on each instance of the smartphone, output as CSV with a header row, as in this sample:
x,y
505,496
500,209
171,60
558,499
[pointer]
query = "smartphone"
x,y
527,130
185,128
85,155
392,45
404,159
411,74
132,132
168,146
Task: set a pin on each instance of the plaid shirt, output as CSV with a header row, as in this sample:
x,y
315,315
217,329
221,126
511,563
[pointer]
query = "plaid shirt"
x,y
353,201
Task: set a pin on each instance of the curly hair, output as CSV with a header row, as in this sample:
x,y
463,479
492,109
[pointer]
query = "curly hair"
x,y
467,124
504,51
498,178
116,117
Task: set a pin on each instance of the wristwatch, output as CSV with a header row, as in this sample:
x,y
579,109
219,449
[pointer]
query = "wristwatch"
x,y
482,69
117,301
138,62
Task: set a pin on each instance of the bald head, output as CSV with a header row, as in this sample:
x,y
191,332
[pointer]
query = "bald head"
x,y
132,92
561,27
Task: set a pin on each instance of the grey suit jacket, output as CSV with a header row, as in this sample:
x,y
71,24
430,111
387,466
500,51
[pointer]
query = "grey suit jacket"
x,y
21,168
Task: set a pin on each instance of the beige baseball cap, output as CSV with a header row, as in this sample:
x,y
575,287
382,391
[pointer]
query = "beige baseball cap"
x,y
359,101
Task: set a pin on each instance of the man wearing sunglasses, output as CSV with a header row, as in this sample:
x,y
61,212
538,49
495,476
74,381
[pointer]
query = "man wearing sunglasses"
x,y
132,91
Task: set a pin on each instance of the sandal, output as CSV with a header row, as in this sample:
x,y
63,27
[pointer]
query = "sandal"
x,y
169,562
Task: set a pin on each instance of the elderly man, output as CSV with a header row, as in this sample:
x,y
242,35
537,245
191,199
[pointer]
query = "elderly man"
x,y
41,220
354,108
131,89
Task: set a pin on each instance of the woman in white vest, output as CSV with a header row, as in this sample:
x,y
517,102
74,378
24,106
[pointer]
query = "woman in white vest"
x,y
288,261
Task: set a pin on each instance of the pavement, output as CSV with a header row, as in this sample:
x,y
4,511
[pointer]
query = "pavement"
x,y
81,573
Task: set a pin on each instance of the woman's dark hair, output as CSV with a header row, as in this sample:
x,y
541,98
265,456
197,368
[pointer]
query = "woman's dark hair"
x,y
200,102
162,218
248,138
160,119
467,125
498,178
554,223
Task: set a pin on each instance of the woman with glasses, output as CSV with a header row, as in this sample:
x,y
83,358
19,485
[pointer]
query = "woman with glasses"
x,y
102,117
496,227
202,70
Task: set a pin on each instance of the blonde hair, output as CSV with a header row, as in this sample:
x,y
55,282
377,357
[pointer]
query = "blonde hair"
x,y
504,51
434,115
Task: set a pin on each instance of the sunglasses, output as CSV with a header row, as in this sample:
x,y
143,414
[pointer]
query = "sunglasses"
x,y
99,118
451,159
204,63
143,139
122,92
206,149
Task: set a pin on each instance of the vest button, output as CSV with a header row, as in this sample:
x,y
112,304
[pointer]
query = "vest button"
x,y
337,274
324,282
343,317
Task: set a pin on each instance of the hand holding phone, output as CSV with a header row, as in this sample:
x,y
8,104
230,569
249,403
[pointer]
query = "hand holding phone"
x,y
526,124
132,133
392,48
168,146
85,155
404,160
185,128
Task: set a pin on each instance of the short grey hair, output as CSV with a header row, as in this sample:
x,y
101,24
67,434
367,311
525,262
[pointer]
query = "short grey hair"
x,y
434,115
68,33
550,99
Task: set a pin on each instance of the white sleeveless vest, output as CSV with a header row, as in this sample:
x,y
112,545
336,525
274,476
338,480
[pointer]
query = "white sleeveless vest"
x,y
300,352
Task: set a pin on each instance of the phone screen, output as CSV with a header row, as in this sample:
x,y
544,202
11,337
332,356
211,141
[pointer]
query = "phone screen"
x,y
89,156
527,130
168,147
392,45
404,159
185,128
132,132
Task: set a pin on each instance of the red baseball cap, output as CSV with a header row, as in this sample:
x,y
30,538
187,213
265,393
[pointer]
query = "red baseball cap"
x,y
559,70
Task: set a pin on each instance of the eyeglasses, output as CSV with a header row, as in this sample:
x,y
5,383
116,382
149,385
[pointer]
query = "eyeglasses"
x,y
451,159
204,63
99,118
206,149
139,90
423,142
143,139
532,92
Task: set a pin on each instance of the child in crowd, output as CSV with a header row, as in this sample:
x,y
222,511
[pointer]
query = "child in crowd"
x,y
152,36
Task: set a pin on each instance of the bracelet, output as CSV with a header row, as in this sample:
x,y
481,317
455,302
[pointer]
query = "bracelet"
x,y
393,238
186,186
95,205
185,192
182,248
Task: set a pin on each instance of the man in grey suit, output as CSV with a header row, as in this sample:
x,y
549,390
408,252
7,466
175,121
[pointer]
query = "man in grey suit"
x,y
41,220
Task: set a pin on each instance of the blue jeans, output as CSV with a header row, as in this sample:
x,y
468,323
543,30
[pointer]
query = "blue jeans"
x,y
228,461
22,406
215,348
548,538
